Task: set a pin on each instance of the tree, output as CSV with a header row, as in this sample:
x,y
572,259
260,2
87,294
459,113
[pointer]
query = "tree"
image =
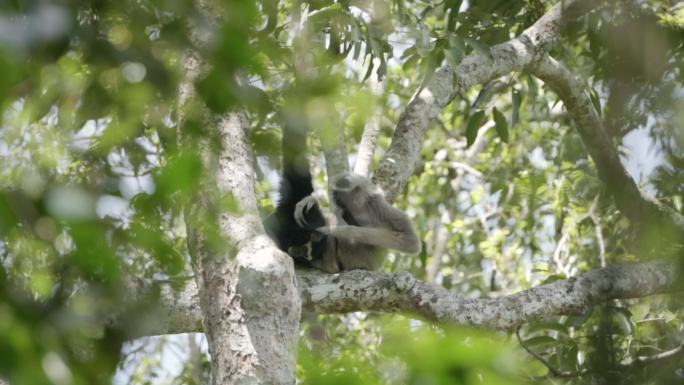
x,y
139,140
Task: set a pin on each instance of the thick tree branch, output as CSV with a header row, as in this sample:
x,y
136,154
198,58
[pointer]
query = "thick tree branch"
x,y
371,131
336,158
399,160
639,208
360,290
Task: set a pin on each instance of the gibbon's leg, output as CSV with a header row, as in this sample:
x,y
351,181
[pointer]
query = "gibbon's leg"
x,y
406,242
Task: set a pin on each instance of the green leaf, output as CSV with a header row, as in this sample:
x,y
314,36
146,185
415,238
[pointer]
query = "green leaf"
x,y
160,248
321,16
479,47
624,319
423,256
553,277
567,357
546,326
410,62
474,124
456,41
501,124
408,52
540,341
453,56
428,65
423,43
265,142
453,6
532,87
217,90
516,100
369,71
596,101
181,176
11,70
256,99
576,321
357,50
382,70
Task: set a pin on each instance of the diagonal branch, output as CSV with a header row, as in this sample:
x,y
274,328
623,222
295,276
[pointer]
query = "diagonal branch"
x,y
399,160
371,130
639,208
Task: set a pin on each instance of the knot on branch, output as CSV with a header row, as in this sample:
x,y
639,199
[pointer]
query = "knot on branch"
x,y
404,281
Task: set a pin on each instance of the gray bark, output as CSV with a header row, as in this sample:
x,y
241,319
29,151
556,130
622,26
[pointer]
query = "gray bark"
x,y
245,286
371,131
360,290
399,160
249,303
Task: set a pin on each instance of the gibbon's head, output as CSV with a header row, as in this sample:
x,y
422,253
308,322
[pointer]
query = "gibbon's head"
x,y
352,191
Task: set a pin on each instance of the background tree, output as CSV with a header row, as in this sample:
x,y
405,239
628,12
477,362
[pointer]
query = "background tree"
x,y
537,147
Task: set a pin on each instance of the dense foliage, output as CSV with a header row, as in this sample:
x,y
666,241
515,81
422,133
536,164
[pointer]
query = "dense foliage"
x,y
93,178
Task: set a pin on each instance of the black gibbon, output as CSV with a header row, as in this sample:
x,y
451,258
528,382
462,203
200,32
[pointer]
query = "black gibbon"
x,y
366,226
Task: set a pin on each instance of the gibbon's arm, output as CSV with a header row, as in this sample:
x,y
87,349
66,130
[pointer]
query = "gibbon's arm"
x,y
406,241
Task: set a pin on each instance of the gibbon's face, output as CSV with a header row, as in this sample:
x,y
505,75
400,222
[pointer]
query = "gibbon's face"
x,y
352,191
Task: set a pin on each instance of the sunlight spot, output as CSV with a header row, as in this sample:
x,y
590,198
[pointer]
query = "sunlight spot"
x,y
133,72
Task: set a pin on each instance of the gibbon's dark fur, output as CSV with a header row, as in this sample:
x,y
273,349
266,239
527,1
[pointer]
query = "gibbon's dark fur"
x,y
295,185
366,226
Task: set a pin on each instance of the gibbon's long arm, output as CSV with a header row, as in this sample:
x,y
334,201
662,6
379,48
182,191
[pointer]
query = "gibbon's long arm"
x,y
296,184
405,241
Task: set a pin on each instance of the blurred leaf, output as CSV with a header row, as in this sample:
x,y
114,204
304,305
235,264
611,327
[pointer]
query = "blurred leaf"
x,y
11,73
322,16
576,321
217,90
546,326
453,56
474,124
92,253
501,125
453,6
265,142
423,42
480,47
596,101
538,341
554,278
624,319
567,358
180,176
516,100
161,249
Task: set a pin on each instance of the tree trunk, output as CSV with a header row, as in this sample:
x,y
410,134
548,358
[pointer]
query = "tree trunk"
x,y
248,298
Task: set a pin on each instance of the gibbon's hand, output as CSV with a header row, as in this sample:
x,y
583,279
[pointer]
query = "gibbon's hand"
x,y
327,230
302,207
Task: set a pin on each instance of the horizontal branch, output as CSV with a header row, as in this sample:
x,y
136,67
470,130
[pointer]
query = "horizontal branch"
x,y
360,290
